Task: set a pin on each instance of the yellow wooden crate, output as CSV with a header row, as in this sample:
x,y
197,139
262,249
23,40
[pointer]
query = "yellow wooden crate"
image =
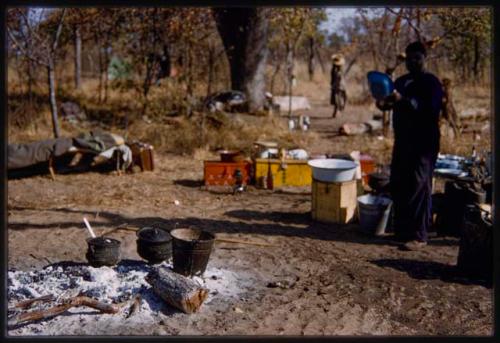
x,y
289,173
334,202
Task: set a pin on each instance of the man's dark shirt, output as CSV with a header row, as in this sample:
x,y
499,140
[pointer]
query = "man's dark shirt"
x,y
415,117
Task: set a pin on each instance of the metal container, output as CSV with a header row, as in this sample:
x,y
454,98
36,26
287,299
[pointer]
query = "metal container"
x,y
154,245
191,250
103,251
373,213
231,156
378,182
332,170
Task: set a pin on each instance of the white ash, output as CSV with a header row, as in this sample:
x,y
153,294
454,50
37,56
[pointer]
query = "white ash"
x,y
117,284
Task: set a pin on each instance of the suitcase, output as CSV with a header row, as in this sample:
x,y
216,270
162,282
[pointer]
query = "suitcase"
x,y
142,156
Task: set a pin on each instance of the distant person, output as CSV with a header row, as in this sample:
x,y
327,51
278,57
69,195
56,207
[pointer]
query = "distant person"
x,y
416,102
338,95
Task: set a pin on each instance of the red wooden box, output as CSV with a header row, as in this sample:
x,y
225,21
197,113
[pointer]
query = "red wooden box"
x,y
217,173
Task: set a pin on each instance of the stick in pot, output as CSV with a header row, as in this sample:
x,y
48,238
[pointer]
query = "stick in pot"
x,y
89,228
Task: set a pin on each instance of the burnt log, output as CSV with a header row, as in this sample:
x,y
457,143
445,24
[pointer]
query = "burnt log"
x,y
177,290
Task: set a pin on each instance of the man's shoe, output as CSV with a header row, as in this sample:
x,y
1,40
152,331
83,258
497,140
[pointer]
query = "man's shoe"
x,y
414,245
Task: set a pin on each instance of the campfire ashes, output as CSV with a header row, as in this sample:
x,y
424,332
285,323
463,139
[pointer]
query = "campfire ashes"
x,y
119,285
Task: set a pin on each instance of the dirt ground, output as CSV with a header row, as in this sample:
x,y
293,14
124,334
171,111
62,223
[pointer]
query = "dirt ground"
x,y
344,282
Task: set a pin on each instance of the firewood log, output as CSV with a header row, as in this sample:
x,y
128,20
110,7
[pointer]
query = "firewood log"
x,y
177,290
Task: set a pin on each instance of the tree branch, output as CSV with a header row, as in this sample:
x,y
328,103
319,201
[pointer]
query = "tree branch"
x,y
23,50
58,32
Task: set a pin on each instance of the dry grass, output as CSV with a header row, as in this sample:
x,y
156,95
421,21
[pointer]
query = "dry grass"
x,y
172,132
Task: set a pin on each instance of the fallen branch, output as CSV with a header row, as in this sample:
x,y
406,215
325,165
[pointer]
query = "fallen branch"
x,y
57,310
27,303
37,315
228,240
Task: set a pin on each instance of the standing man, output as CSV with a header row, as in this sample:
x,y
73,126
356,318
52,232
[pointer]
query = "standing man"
x,y
416,104
338,95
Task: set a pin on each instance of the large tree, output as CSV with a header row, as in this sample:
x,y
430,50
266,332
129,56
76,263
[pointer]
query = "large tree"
x,y
38,40
244,34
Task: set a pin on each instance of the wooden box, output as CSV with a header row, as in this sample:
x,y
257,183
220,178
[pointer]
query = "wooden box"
x,y
142,156
289,173
217,173
334,202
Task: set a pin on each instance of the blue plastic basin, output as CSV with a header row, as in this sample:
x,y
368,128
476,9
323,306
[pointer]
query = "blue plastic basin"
x,y
380,84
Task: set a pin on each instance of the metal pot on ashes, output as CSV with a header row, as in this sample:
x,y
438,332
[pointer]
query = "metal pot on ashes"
x,y
103,251
154,245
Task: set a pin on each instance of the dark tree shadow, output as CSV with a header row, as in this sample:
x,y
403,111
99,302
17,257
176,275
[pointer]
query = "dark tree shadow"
x,y
429,270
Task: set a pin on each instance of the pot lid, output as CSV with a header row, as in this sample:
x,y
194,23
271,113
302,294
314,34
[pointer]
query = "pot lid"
x,y
153,234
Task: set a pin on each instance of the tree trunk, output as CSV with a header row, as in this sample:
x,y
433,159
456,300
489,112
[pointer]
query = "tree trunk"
x,y
99,54
52,95
273,77
476,58
78,58
105,70
30,84
211,61
244,34
310,64
289,69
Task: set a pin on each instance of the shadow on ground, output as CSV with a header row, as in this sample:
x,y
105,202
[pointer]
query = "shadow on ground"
x,y
286,224
189,183
430,270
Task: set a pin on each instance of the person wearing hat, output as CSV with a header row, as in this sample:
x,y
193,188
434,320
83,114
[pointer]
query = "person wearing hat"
x,y
338,95
416,104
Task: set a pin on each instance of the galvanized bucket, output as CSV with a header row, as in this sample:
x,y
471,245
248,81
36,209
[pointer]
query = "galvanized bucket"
x,y
191,250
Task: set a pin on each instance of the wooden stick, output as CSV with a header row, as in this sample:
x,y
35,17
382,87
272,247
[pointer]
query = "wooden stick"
x,y
135,306
57,310
51,169
27,303
89,302
228,240
89,228
37,315
120,228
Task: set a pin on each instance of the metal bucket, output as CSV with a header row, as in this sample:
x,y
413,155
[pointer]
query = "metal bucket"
x,y
373,213
191,250
103,251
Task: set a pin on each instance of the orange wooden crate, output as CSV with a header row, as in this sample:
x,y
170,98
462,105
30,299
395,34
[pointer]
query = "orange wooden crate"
x,y
217,173
367,166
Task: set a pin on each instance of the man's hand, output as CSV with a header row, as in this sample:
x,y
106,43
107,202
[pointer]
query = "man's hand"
x,y
389,101
396,95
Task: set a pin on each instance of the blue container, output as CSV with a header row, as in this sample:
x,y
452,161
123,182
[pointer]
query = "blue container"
x,y
380,84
